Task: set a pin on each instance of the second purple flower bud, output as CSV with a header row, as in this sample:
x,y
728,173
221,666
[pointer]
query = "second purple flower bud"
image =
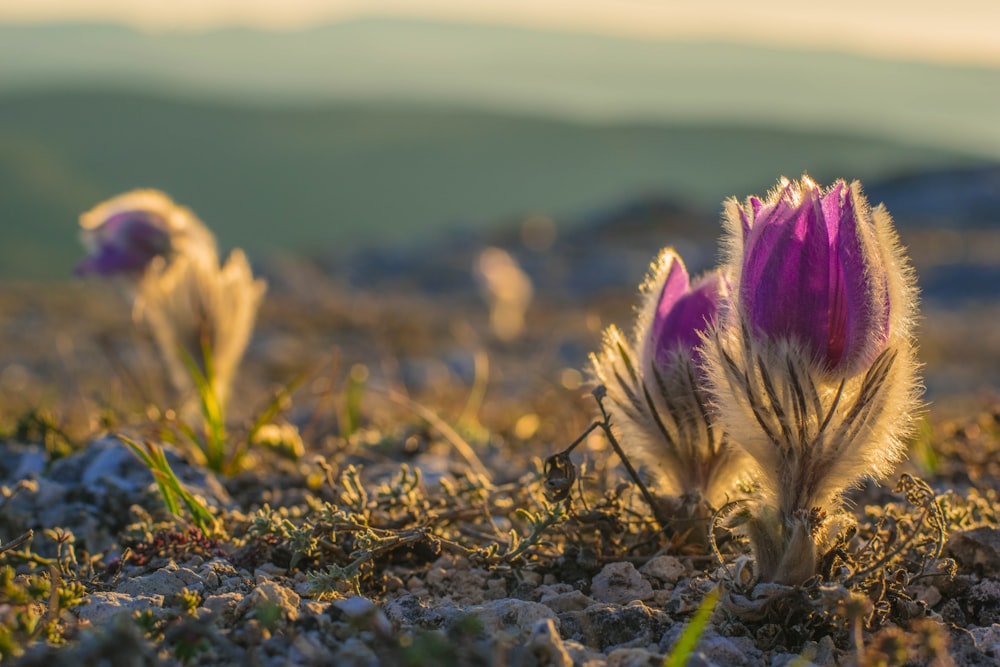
x,y
654,388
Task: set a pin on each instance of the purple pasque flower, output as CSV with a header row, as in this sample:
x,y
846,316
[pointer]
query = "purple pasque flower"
x,y
813,273
681,312
654,386
181,294
812,368
125,243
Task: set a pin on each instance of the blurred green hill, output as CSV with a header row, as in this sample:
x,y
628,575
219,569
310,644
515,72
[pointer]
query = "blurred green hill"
x,y
506,69
320,180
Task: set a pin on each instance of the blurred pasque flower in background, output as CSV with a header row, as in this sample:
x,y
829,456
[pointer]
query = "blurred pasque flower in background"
x,y
191,306
812,365
654,385
507,289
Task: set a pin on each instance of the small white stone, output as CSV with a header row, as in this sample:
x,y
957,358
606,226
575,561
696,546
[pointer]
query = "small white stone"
x,y
620,583
570,601
665,568
101,606
547,645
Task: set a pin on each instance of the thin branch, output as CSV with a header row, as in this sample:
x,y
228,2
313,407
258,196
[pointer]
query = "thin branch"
x,y
606,427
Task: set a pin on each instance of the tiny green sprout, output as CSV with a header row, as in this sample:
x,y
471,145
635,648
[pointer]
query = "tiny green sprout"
x,y
9,646
71,594
188,640
357,380
403,490
329,583
353,493
30,608
538,524
186,600
266,520
65,551
268,614
303,543
38,588
148,624
922,448
212,442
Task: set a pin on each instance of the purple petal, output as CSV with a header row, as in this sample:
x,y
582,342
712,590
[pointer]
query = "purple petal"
x,y
682,312
861,307
785,286
111,260
125,243
675,285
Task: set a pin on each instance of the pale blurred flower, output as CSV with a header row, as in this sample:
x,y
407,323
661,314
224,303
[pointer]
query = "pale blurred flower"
x,y
192,307
813,365
507,289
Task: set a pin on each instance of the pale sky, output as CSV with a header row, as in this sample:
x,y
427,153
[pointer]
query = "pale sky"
x,y
964,31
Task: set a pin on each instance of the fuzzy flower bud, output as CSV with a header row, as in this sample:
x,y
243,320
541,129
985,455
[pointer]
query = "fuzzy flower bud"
x,y
812,367
654,385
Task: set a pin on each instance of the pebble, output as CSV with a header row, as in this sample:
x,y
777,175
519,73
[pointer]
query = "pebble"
x,y
365,613
101,606
573,600
978,548
547,645
271,593
634,657
620,583
513,618
667,569
988,639
166,581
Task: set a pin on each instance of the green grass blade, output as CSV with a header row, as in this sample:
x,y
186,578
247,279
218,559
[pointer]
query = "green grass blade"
x,y
171,488
148,455
214,445
682,650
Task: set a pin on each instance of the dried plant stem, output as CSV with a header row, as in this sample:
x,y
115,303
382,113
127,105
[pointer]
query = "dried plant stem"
x,y
17,541
599,393
719,515
463,448
560,461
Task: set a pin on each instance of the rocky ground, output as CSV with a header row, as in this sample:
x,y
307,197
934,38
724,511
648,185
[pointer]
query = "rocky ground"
x,y
405,519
